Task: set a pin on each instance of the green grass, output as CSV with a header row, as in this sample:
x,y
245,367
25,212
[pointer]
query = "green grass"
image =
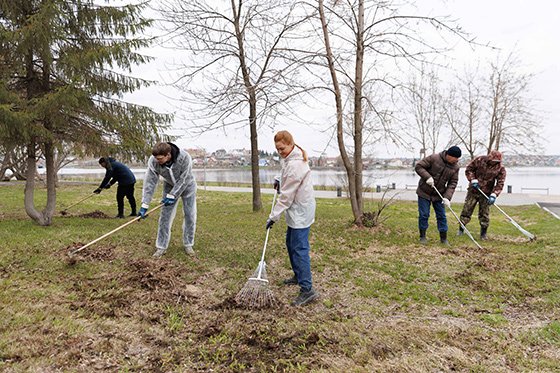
x,y
387,303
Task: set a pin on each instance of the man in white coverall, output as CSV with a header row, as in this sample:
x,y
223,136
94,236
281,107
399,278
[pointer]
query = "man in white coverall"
x,y
175,167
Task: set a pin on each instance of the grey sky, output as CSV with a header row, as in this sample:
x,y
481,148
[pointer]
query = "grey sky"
x,y
530,28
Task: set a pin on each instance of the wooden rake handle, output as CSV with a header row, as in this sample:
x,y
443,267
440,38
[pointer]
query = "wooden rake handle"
x,y
82,200
115,230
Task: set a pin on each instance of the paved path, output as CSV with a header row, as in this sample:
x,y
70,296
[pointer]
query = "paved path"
x,y
552,208
512,199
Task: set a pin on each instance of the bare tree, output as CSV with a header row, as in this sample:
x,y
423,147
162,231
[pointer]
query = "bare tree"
x,y
424,101
512,120
463,110
238,73
352,30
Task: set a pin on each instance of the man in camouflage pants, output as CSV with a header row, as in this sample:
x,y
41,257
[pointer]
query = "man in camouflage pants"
x,y
489,175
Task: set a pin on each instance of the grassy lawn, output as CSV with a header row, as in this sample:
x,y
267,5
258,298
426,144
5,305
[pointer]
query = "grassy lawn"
x,y
387,303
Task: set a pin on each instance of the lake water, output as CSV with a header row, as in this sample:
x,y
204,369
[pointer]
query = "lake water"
x,y
518,177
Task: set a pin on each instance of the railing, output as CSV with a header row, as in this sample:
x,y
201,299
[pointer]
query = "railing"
x,y
547,189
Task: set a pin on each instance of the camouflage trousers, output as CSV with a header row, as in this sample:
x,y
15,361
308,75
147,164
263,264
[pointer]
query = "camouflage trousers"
x,y
474,197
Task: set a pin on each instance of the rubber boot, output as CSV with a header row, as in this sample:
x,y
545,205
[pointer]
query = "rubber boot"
x,y
461,231
423,239
443,238
483,231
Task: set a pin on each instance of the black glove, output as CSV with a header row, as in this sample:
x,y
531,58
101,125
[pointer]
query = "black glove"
x,y
269,223
97,191
277,185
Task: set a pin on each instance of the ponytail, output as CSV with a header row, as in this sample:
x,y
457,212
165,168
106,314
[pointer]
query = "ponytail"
x,y
288,139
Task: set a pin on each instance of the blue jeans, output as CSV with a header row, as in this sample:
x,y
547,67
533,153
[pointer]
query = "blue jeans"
x,y
424,214
297,242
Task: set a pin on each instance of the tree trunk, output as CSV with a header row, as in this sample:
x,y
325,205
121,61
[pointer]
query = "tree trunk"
x,y
356,211
358,113
252,96
256,183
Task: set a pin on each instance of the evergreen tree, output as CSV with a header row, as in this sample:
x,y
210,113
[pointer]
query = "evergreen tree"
x,y
64,68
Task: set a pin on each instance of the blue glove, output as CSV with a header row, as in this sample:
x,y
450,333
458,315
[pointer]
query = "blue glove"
x,y
169,200
269,223
492,199
474,183
142,212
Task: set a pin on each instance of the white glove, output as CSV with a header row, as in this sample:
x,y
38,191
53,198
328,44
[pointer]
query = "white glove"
x,y
446,202
430,181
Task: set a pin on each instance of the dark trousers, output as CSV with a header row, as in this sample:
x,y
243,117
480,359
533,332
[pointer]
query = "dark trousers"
x,y
297,242
128,192
424,214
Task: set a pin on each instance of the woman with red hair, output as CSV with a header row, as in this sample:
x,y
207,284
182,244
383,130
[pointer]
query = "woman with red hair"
x,y
297,201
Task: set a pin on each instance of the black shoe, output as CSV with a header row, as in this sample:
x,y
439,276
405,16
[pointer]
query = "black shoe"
x,y
443,238
305,297
483,235
461,231
290,281
423,239
133,214
119,216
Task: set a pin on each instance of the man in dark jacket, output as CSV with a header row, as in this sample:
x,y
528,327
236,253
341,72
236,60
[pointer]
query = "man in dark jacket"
x,y
439,171
487,174
116,172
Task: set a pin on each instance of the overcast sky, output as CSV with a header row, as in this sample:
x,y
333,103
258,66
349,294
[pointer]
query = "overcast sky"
x,y
531,28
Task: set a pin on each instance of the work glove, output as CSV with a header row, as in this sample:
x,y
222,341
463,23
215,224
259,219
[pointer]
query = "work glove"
x,y
169,200
492,199
97,191
446,202
269,223
430,181
142,212
474,183
277,184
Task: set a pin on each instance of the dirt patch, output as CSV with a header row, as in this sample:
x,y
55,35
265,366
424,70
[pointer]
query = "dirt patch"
x,y
95,253
95,215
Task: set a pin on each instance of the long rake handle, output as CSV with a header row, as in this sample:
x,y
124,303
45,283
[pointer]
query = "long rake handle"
x,y
261,265
459,220
82,200
525,232
115,230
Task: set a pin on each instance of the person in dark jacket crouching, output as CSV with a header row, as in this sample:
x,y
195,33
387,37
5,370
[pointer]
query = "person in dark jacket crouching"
x,y
116,172
441,171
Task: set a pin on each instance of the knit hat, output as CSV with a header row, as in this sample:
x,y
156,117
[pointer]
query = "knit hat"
x,y
454,151
495,155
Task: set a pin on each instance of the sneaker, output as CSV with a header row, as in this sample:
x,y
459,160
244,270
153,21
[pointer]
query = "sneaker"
x,y
460,232
423,240
290,281
305,297
444,242
158,253
189,250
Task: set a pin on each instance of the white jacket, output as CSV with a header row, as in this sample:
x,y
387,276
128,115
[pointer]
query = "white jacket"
x,y
296,192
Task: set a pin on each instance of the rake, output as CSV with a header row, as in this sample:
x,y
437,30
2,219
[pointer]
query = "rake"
x,y
64,212
256,293
527,234
459,220
72,259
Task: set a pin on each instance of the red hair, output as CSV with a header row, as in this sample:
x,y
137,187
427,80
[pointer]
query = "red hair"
x,y
288,139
